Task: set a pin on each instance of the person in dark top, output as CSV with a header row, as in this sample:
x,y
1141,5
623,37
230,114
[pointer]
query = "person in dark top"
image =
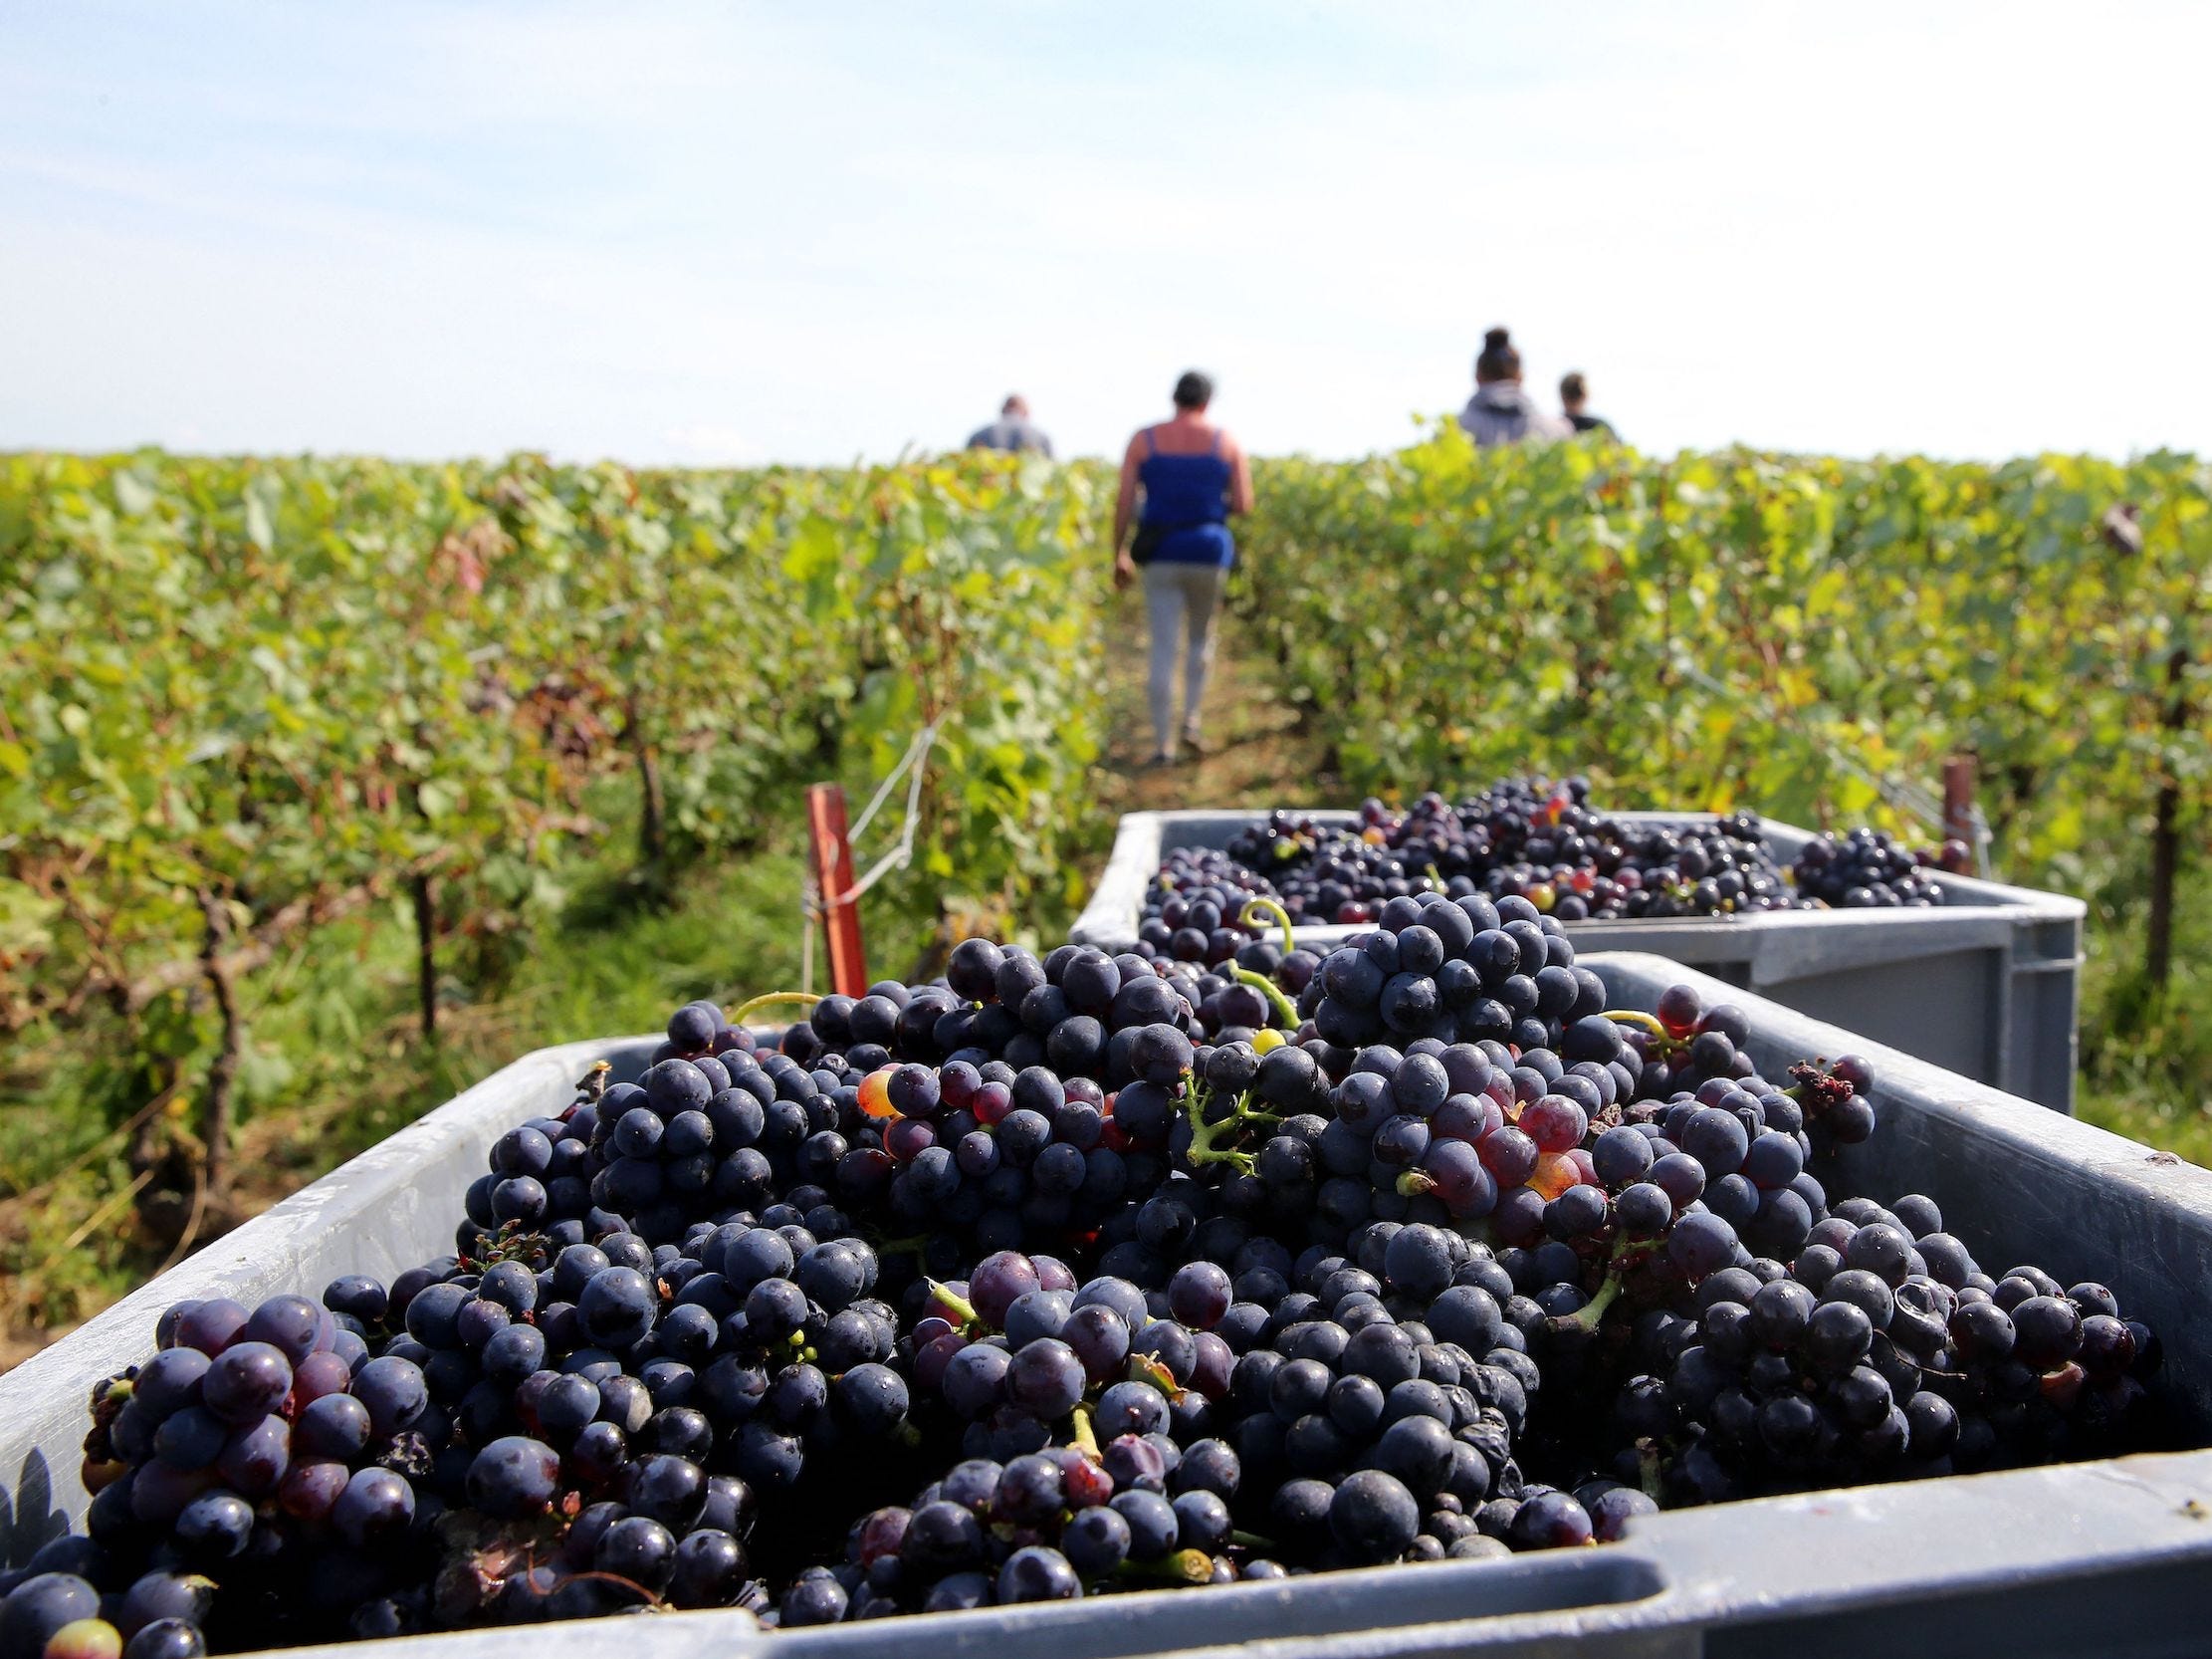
x,y
1573,398
1192,476
1014,431
1500,412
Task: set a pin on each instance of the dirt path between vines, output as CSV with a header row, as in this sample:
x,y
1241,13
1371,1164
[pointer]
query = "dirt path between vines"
x,y
1257,752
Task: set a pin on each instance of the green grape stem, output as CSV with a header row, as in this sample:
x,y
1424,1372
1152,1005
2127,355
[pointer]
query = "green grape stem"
x,y
1587,1318
1142,1367
772,998
955,1302
1204,1137
1285,1009
1184,1567
1258,911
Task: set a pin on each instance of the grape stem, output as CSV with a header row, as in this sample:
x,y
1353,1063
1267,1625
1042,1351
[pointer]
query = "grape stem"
x,y
1184,1567
1648,1469
955,1301
1086,1438
1203,1136
1142,1367
1251,1540
651,1599
915,1245
1259,911
1285,1009
772,998
1587,1318
1631,1016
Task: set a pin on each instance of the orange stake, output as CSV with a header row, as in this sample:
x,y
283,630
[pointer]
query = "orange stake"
x,y
825,826
1958,813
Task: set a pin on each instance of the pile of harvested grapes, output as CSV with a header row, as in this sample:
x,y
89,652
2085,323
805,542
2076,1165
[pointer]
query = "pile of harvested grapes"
x,y
1078,1276
1523,838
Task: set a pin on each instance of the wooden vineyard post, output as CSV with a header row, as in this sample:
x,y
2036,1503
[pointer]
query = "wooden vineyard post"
x,y
1958,814
832,857
2165,834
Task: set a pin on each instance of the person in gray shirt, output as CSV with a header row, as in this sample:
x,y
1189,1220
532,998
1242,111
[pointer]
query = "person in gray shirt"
x,y
1501,412
1014,431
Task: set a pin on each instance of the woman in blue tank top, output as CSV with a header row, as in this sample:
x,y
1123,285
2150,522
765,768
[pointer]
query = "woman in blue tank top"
x,y
1192,476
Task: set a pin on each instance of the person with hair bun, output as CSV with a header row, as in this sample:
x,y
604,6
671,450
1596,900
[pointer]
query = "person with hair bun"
x,y
1190,476
1501,412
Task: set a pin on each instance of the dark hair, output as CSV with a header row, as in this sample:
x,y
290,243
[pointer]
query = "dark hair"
x,y
1572,389
1499,361
1193,391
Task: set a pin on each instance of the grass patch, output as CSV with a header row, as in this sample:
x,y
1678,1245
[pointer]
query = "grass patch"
x,y
2146,1055
336,1060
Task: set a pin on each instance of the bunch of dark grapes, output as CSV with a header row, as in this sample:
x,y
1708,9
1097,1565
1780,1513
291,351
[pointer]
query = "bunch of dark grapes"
x,y
1656,871
711,1128
1112,1445
1545,844
1077,1011
1060,1102
1069,1399
1863,870
1455,970
1088,1273
260,1451
567,1418
1328,872
1877,1354
1194,911
1384,1401
1523,838
1691,1051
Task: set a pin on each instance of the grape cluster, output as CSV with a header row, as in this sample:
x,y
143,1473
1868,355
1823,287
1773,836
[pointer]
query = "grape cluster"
x,y
1543,842
578,1403
971,1156
1880,1355
1525,837
1193,910
1086,1452
1457,971
1069,1275
1078,1012
712,1126
1385,1406
1863,870
1118,1439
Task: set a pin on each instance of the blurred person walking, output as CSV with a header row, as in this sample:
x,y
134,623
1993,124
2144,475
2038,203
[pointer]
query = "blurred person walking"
x,y
1501,412
1192,476
1014,431
1574,399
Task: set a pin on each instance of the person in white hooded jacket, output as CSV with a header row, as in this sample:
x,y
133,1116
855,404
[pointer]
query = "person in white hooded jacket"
x,y
1501,412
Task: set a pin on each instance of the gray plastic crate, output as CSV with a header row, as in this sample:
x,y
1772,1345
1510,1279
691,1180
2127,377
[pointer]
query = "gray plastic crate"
x,y
1985,986
2112,1558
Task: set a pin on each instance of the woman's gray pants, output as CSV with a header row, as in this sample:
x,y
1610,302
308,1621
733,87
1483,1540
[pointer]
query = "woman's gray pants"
x,y
1181,598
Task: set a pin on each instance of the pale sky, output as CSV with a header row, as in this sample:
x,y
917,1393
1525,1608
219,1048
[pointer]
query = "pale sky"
x,y
814,232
